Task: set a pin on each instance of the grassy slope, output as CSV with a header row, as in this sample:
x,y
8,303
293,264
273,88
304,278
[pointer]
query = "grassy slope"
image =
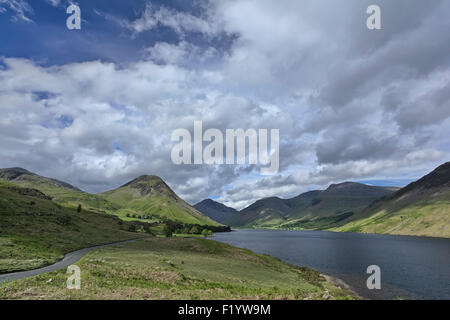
x,y
64,196
310,210
169,268
149,195
35,231
429,216
118,202
421,208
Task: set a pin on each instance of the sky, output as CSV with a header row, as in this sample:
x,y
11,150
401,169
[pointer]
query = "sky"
x,y
96,107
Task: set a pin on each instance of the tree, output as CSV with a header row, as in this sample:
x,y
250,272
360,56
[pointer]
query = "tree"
x,y
205,232
166,231
79,208
195,230
128,215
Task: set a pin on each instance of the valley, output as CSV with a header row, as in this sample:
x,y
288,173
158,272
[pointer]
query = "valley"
x,y
42,219
422,208
174,268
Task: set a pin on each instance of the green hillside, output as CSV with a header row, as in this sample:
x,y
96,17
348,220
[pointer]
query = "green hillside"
x,y
144,196
422,208
35,231
150,195
174,268
60,192
311,210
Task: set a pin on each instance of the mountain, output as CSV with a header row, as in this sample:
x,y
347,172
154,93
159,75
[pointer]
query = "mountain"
x,y
422,208
311,210
146,195
61,192
35,231
265,212
23,176
215,210
150,195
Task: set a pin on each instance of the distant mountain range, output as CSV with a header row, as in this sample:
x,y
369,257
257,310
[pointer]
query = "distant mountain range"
x,y
421,208
314,209
215,210
143,196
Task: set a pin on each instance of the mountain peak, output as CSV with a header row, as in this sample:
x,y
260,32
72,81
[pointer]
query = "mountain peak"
x,y
343,185
150,184
18,169
21,175
12,173
215,210
438,178
143,179
209,202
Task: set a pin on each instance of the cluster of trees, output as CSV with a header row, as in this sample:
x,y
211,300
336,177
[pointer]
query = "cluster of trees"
x,y
194,230
187,228
171,227
136,226
167,230
142,217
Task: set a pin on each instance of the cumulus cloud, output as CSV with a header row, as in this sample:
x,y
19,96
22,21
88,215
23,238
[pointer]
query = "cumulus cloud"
x,y
350,103
181,22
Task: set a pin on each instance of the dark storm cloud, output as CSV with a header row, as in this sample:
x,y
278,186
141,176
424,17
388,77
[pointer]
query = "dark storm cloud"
x,y
356,144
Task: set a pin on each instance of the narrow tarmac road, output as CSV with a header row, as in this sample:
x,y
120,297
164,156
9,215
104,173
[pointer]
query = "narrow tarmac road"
x,y
68,260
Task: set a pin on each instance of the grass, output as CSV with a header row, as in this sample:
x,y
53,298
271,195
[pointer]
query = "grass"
x,y
35,231
428,217
317,223
161,202
178,268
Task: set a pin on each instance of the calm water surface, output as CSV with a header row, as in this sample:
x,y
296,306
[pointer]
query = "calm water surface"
x,y
411,267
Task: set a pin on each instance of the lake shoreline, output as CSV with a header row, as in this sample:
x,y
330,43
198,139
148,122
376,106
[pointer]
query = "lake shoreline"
x,y
411,266
343,285
347,232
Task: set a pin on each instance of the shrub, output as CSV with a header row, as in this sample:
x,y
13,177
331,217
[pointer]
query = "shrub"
x,y
166,231
79,208
195,230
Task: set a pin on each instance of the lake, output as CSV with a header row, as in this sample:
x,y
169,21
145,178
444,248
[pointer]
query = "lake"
x,y
411,267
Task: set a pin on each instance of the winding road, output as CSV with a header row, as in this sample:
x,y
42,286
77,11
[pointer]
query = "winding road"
x,y
68,260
